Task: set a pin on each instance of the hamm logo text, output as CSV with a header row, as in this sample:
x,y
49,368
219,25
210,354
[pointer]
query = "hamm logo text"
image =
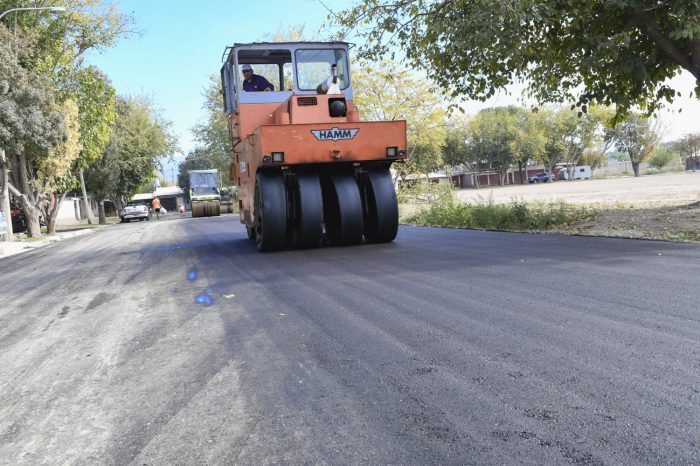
x,y
334,134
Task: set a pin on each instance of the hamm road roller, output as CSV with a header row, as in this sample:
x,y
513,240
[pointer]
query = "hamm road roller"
x,y
309,172
204,193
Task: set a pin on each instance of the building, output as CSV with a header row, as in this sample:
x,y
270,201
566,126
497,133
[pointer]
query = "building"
x,y
171,197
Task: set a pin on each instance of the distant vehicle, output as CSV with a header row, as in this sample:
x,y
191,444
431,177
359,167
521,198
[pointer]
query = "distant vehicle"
x,y
204,193
135,210
539,178
582,172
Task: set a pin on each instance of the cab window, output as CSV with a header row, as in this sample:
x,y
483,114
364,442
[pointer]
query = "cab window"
x,y
275,65
314,67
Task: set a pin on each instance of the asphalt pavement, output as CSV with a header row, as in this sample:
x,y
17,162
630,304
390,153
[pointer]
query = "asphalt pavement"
x,y
176,342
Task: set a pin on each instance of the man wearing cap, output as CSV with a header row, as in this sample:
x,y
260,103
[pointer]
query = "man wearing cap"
x,y
254,82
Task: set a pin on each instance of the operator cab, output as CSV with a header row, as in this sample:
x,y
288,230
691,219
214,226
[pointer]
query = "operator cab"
x,y
293,68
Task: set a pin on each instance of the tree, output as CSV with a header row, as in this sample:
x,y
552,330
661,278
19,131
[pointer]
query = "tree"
x,y
531,140
96,100
637,138
662,157
554,146
617,52
55,174
32,124
578,134
138,140
387,92
494,135
212,137
53,51
689,147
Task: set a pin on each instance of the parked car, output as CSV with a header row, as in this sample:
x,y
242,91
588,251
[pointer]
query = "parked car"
x,y
19,220
135,210
539,178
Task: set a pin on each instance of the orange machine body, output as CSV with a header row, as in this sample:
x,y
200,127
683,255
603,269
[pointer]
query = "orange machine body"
x,y
309,172
302,131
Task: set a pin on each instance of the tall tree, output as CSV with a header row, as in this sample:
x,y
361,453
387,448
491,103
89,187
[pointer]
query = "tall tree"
x,y
615,52
494,133
139,140
637,138
578,135
554,133
531,140
385,92
54,50
32,124
455,151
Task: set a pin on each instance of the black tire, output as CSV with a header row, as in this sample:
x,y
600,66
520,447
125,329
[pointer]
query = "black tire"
x,y
270,212
342,210
307,229
380,207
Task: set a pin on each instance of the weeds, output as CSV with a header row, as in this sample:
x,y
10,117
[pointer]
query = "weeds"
x,y
446,211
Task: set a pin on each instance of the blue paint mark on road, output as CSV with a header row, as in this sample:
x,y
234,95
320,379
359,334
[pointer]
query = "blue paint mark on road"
x,y
204,299
192,275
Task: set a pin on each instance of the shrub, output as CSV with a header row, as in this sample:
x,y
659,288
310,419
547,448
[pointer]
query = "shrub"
x,y
516,216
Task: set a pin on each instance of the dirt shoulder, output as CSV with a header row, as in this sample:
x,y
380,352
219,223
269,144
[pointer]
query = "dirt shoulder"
x,y
664,206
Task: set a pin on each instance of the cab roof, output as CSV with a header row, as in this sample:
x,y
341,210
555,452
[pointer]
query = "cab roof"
x,y
261,45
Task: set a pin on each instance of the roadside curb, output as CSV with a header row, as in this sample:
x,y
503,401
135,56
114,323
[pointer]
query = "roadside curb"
x,y
10,248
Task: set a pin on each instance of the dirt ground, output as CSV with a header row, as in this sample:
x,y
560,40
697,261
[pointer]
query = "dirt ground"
x,y
664,206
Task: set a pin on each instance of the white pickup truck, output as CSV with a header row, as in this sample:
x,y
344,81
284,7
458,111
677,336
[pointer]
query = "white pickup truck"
x,y
135,210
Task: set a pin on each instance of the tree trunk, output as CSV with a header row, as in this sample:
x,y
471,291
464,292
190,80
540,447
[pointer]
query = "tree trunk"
x,y
635,167
520,172
51,213
88,208
26,197
5,196
101,213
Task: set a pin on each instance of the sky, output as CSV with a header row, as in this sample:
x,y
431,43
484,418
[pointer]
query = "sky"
x,y
182,42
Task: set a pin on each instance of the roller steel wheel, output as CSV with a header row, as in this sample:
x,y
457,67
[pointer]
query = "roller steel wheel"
x,y
216,208
307,229
381,210
197,210
342,210
270,212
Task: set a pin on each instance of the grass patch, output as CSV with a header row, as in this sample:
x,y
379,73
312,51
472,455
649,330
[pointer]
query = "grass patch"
x,y
446,211
684,235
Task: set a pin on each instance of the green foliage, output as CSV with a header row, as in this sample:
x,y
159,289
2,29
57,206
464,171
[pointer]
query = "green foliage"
x,y
494,136
446,211
212,150
688,146
96,99
30,120
386,92
617,52
636,137
138,140
662,157
454,151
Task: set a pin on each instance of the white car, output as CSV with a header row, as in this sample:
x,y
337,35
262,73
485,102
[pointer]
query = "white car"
x,y
135,210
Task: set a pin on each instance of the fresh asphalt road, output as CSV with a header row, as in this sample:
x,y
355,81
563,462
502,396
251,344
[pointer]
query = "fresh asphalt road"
x,y
176,342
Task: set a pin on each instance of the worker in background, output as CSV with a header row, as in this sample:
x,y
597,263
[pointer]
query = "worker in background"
x,y
254,82
156,206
